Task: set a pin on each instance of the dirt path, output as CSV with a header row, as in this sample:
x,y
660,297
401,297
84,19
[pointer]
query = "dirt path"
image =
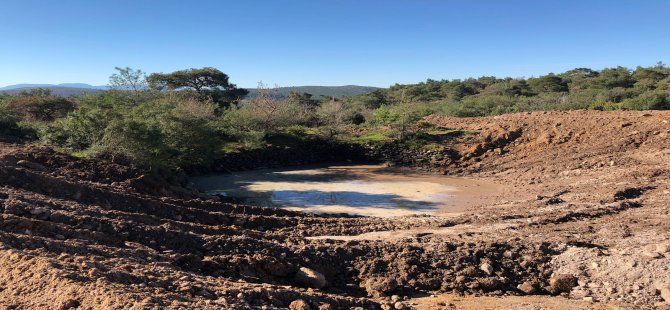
x,y
586,216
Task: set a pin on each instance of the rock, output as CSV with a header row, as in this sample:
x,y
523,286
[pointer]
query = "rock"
x,y
487,268
378,287
70,304
278,268
489,284
528,287
41,213
221,301
663,248
651,254
562,283
665,294
31,165
554,200
325,307
310,278
299,305
387,307
399,306
395,298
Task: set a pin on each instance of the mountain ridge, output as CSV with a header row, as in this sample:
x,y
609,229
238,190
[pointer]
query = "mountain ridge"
x,y
68,89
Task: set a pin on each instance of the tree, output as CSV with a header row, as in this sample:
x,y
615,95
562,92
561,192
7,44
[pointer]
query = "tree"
x,y
206,82
302,99
333,116
580,72
40,105
371,100
508,87
264,112
128,79
402,116
615,77
548,83
579,78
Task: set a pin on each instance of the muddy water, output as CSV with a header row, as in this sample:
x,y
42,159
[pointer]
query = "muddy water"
x,y
360,190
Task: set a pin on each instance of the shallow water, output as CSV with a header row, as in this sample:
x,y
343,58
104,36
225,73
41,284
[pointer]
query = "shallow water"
x,y
369,190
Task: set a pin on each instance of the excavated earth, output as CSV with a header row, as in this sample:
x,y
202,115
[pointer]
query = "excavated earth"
x,y
584,223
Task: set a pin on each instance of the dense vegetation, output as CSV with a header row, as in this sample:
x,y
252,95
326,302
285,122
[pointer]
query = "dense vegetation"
x,y
191,117
582,88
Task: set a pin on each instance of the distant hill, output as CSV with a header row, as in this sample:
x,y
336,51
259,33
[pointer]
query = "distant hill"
x,y
68,89
318,91
63,85
55,90
63,90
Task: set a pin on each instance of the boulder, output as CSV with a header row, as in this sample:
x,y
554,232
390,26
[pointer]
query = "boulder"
x,y
487,268
528,287
299,305
310,278
562,283
378,287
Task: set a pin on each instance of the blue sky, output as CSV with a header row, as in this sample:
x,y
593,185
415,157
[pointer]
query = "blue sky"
x,y
319,42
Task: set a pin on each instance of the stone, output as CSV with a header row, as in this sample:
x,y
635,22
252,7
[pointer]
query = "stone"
x,y
70,304
325,307
31,165
652,255
399,306
489,284
562,283
528,287
395,298
665,293
299,304
487,268
378,287
663,248
310,278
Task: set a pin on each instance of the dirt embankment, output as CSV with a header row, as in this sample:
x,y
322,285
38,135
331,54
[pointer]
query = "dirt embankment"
x,y
587,218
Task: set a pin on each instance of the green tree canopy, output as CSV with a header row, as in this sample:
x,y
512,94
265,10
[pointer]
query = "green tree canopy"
x,y
207,82
548,83
302,99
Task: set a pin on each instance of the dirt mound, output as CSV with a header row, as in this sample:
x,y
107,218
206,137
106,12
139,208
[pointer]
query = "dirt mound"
x,y
588,204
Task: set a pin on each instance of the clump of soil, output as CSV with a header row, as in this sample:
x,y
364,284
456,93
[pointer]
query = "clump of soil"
x,y
586,218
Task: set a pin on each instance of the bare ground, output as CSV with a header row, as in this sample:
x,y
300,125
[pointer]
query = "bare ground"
x,y
585,224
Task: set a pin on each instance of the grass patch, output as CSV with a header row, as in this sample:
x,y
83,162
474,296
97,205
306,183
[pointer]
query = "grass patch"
x,y
373,138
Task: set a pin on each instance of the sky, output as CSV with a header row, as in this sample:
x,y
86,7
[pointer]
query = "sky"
x,y
327,42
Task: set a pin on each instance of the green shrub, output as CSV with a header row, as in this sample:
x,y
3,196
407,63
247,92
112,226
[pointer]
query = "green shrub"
x,y
605,106
384,115
164,133
9,122
39,108
655,100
